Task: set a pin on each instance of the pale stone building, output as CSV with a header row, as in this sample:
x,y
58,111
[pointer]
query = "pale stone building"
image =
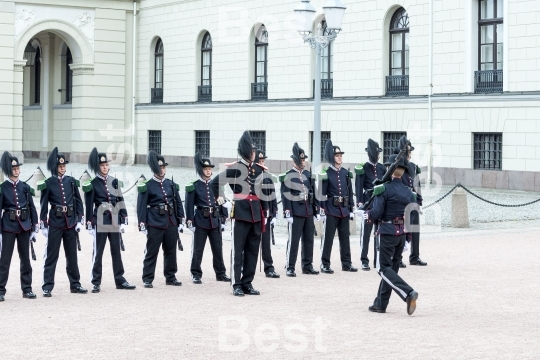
x,y
206,70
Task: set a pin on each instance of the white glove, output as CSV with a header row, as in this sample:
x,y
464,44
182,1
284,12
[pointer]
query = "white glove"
x,y
222,227
220,200
0,241
317,217
358,211
36,230
360,205
227,205
366,215
406,247
45,232
78,227
122,228
265,221
145,232
142,228
32,237
289,220
181,228
351,216
91,231
273,222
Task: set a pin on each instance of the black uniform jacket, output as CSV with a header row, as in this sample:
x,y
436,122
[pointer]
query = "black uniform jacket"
x,y
17,196
200,205
298,193
365,175
103,197
389,206
337,182
152,194
412,181
63,192
245,180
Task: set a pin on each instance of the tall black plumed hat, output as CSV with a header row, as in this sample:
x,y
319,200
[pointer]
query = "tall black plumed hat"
x,y
330,150
8,163
55,159
245,145
298,154
373,150
155,161
200,163
96,159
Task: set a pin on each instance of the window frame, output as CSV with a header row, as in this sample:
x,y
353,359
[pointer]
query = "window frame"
x,y
389,144
204,50
69,77
262,31
37,77
155,138
485,23
495,151
403,31
329,56
259,139
158,54
203,135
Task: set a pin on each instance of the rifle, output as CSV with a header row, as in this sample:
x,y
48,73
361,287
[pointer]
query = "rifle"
x,y
178,219
74,202
32,248
272,232
386,178
122,247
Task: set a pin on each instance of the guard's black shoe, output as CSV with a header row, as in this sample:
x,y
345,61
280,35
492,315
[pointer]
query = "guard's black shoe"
x,y
47,293
272,274
402,264
29,295
196,280
96,289
349,268
148,285
126,286
365,267
238,292
418,262
291,273
223,278
173,282
311,271
1,297
79,290
375,309
251,291
326,270
411,302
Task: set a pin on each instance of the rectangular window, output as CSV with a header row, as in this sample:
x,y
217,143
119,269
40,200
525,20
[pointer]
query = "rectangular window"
x,y
390,142
325,136
202,143
488,151
259,139
154,140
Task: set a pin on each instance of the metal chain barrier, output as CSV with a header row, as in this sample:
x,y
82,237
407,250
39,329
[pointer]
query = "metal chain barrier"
x,y
134,184
442,198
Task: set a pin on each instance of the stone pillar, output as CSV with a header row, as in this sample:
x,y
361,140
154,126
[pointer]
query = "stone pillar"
x,y
83,135
460,212
18,74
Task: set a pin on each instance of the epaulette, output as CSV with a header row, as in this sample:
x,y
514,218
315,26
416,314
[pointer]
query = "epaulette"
x,y
87,186
141,187
177,186
359,169
351,174
418,170
32,191
282,177
323,175
191,186
42,184
77,183
378,190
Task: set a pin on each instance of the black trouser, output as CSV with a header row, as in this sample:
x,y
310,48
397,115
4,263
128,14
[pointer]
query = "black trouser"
x,y
342,226
300,228
168,239
52,250
266,249
6,253
415,242
100,240
364,242
197,250
388,256
245,249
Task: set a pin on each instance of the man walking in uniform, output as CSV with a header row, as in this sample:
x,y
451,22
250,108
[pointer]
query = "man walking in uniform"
x,y
160,214
65,219
19,224
338,208
206,219
106,217
299,208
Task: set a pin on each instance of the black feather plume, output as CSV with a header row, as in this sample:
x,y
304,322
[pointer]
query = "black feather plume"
x,y
93,161
6,164
245,145
373,150
329,152
152,161
52,162
197,161
296,151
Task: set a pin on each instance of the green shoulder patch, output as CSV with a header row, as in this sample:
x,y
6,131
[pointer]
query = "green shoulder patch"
x,y
42,184
87,186
282,177
351,174
322,175
378,190
418,170
177,186
190,186
359,169
141,187
77,183
32,191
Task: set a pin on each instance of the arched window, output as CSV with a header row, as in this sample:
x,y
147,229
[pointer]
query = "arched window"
x,y
397,84
327,57
157,91
259,90
37,77
69,77
205,90
490,46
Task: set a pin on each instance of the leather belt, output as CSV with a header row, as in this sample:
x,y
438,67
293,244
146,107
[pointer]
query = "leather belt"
x,y
397,221
63,207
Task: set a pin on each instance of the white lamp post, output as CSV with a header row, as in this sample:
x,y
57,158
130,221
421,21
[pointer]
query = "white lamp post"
x,y
334,10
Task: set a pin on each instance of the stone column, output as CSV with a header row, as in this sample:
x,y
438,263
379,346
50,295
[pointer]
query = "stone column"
x,y
83,135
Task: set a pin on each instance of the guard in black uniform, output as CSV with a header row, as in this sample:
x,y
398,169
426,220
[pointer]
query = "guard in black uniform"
x,y
249,212
106,217
206,219
19,223
366,174
300,207
337,209
412,180
63,222
388,210
266,241
160,214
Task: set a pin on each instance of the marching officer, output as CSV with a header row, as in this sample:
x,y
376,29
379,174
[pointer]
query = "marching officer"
x,y
61,223
411,179
160,215
300,206
337,208
388,210
365,175
266,251
106,217
206,219
19,223
249,212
